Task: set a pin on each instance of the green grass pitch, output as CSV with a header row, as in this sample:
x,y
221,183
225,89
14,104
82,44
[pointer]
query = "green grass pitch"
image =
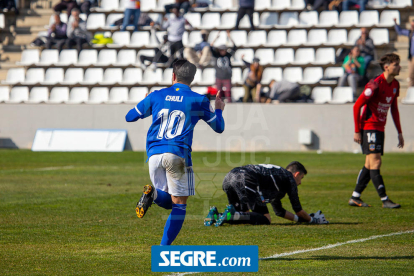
x,y
74,214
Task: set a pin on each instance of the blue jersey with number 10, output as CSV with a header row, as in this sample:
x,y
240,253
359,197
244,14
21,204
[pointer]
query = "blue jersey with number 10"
x,y
175,112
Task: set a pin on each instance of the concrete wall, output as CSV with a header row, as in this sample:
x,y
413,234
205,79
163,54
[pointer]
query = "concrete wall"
x,y
249,127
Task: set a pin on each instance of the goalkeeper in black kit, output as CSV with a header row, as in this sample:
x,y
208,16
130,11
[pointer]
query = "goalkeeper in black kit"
x,y
251,187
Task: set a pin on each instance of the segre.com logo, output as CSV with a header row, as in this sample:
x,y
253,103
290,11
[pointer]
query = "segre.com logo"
x,y
222,258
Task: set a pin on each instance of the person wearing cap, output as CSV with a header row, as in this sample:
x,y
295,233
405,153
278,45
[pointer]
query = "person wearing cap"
x,y
252,85
223,66
200,55
162,53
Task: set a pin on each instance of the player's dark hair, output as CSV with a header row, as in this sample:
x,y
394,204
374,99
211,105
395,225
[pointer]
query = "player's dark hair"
x,y
388,59
295,166
184,71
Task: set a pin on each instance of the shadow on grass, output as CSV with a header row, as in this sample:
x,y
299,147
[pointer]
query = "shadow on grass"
x,y
306,224
332,258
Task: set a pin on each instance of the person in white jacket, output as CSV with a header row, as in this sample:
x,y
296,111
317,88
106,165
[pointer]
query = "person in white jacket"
x,y
132,8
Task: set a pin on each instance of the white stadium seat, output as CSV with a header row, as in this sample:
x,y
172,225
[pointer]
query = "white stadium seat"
x,y
268,19
34,76
126,57
284,56
14,76
276,38
202,90
237,93
19,94
98,95
265,56
68,57
308,19
379,36
321,95
328,19
29,57
2,21
293,74
132,76
73,76
324,56
140,39
271,73
353,36
348,19
332,73
304,56
197,77
112,76
236,77
150,53
120,39
296,37
53,76
317,37
342,95
148,5
312,75
108,5
221,39
88,57
288,19
221,5
194,19
95,21
210,20
49,57
59,95
409,98
260,5
162,3
78,95
118,95
137,94
93,76
152,77
280,4
256,38
387,18
4,93
167,76
297,5
38,95
337,37
106,57
194,38
248,56
368,19
245,22
110,20
228,20
239,37
208,76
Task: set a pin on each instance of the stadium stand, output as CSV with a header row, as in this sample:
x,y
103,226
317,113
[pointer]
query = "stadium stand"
x,y
292,44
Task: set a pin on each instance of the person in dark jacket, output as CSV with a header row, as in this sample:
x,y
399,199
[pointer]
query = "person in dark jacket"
x,y
68,5
56,34
366,47
245,7
223,66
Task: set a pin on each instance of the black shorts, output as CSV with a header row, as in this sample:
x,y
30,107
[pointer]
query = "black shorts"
x,y
243,200
372,141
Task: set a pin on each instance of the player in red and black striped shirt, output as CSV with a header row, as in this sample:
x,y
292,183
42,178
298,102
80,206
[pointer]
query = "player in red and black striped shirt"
x,y
379,96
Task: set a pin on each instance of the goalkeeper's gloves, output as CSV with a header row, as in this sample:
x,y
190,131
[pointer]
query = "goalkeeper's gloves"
x,y
318,218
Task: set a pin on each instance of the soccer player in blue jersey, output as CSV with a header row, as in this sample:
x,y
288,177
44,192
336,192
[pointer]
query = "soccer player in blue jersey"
x,y
175,112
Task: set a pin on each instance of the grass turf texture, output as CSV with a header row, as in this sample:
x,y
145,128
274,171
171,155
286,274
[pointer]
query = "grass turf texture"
x,y
73,214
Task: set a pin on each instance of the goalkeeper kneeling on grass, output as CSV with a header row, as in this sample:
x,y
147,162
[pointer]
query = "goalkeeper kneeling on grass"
x,y
250,188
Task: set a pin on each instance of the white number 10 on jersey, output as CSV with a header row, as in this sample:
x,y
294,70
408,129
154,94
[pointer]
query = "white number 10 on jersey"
x,y
168,121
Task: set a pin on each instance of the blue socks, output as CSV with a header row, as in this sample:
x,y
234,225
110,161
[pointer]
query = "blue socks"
x,y
174,223
163,200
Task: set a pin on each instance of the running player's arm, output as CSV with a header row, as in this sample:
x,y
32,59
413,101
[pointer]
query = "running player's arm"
x,y
396,117
213,118
140,111
369,91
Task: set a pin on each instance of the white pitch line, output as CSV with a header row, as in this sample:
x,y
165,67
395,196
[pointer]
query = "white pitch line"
x,y
41,169
318,248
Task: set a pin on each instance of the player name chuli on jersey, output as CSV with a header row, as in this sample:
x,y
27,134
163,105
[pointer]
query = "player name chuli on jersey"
x,y
174,98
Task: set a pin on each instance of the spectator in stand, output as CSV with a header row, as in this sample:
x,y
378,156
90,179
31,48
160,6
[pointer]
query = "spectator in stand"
x,y
245,7
410,34
162,53
132,8
76,32
144,21
353,66
182,5
68,5
316,4
200,55
283,91
252,84
8,5
175,27
86,5
223,66
56,34
366,47
349,3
